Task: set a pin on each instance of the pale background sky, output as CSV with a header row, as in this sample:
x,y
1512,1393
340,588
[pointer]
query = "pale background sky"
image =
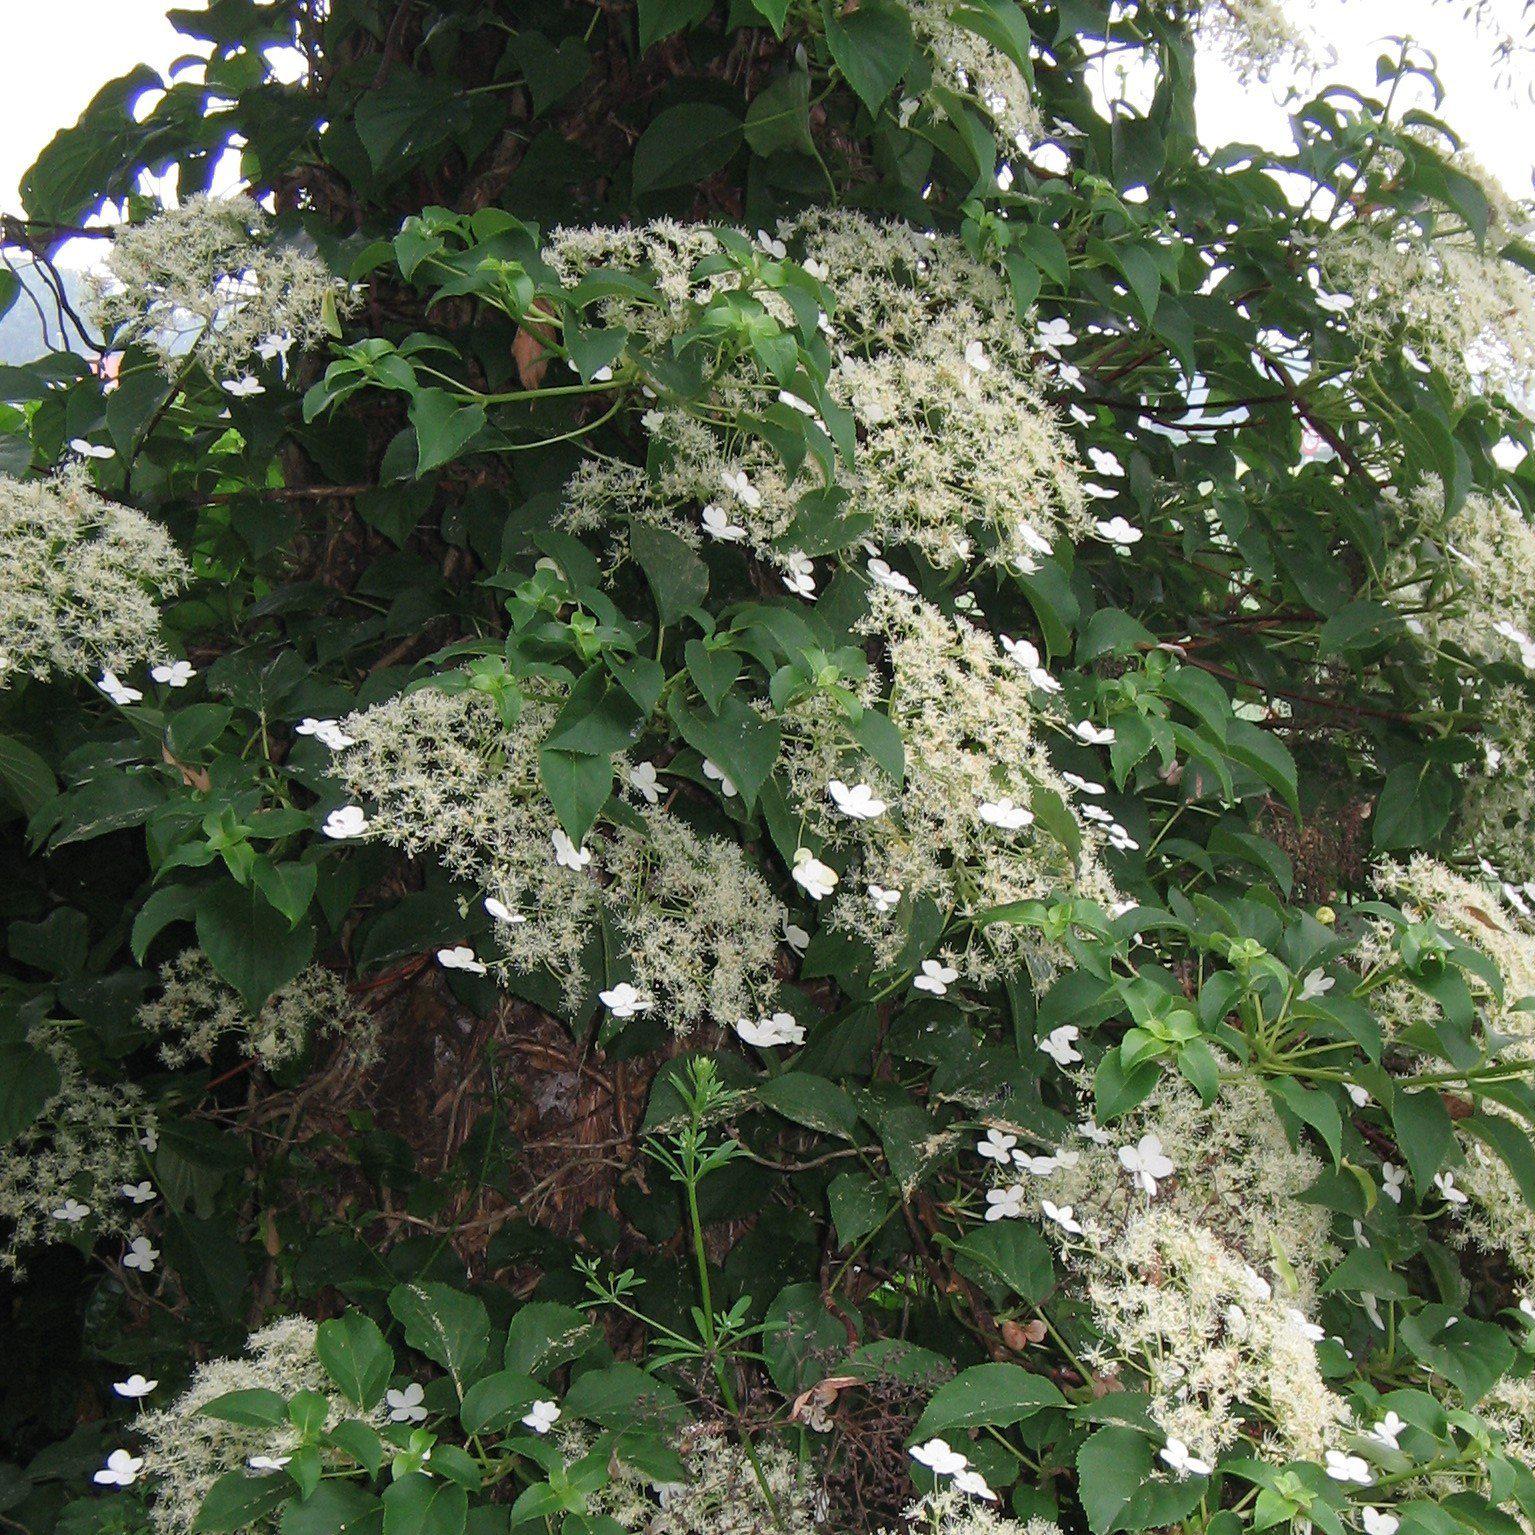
x,y
57,53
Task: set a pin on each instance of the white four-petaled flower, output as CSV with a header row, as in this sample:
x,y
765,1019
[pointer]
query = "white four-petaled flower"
x,y
1343,1467
405,1406
461,957
1146,1162
243,388
1445,1183
88,449
1388,1430
541,1417
642,778
1176,1454
1119,532
174,674
800,575
71,1212
1378,1522
566,854
936,977
817,879
883,575
502,912
858,802
1057,1044
348,821
770,1030
121,1470
141,1255
268,1462
326,731
1063,1216
736,482
998,1146
885,898
1094,735
135,1386
1392,1179
624,1000
1316,984
717,774
118,691
1005,814
140,1193
717,524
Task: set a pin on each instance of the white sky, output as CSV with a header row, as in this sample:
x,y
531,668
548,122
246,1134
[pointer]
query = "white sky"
x,y
58,53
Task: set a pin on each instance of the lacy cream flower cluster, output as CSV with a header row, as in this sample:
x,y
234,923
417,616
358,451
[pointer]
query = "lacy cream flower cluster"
x,y
69,1168
444,774
195,1010
960,453
80,579
210,277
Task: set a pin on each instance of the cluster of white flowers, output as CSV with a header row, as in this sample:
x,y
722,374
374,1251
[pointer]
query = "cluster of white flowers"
x,y
1439,298
1254,36
185,1451
80,579
966,828
80,1164
967,64
195,1010
209,277
722,1496
1221,1355
445,774
949,1511
960,455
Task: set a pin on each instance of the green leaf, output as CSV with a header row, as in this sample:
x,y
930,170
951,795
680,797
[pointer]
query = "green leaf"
x,y
334,1508
1424,1131
773,12
452,1329
737,739
27,779
578,786
684,144
678,579
497,1401
354,1354
1413,807
986,1395
289,886
620,1396
660,18
871,46
254,1407
29,1078
444,427
249,942
779,117
810,1100
552,73
237,1501
544,1335
1015,1253
1111,1466
418,1504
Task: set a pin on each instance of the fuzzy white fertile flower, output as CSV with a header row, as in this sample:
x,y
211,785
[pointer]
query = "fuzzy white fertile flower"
x,y
121,1470
1005,1204
243,388
1063,1216
858,802
1388,1430
936,977
348,821
716,774
71,1212
88,449
1392,1178
142,1193
1378,1522
1146,1162
771,1030
501,911
134,1387
461,957
1005,814
141,1255
1175,1453
884,898
566,854
624,1001
1445,1183
642,778
741,487
1057,1044
1119,532
816,878
1317,984
406,1405
1094,735
717,524
328,732
268,1462
119,692
997,1147
1343,1467
800,576
541,1417
880,571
